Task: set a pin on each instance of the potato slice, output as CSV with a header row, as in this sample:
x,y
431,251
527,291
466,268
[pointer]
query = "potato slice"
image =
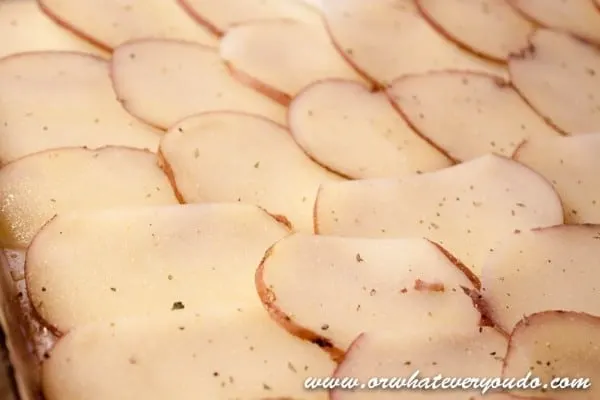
x,y
35,188
466,208
164,81
374,357
241,355
360,284
59,99
560,77
279,58
386,39
464,21
554,258
85,267
110,23
200,153
467,114
557,344
572,165
351,130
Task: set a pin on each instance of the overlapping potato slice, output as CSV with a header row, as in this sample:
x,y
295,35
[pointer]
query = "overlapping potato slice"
x,y
110,23
35,188
560,77
555,258
356,285
224,156
386,39
59,99
279,58
465,21
86,267
164,81
351,130
572,165
242,355
560,348
467,114
466,208
375,357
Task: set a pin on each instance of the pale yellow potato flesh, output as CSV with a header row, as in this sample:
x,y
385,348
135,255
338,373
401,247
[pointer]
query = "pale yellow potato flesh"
x,y
560,77
358,133
467,114
573,166
35,188
164,81
467,208
271,171
548,269
59,99
110,23
386,39
185,356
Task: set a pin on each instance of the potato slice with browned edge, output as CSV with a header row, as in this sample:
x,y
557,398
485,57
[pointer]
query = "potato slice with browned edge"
x,y
358,285
279,58
466,208
467,114
561,349
388,359
573,166
228,157
98,266
35,188
554,259
351,130
110,23
240,355
559,76
463,21
386,39
164,81
61,99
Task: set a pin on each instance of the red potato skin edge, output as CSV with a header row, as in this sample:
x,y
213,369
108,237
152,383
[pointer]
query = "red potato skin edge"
x,y
267,90
199,18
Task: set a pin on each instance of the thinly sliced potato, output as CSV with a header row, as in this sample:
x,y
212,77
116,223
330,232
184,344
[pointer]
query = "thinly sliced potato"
x,y
560,77
386,39
242,355
530,271
279,58
228,157
353,285
35,188
572,165
110,23
351,130
59,99
468,114
164,81
559,348
466,208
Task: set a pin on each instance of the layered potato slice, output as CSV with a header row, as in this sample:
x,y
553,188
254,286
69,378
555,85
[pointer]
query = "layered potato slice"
x,y
467,208
559,76
229,157
572,164
468,114
279,58
407,286
59,99
240,355
164,81
110,23
358,133
35,188
386,39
